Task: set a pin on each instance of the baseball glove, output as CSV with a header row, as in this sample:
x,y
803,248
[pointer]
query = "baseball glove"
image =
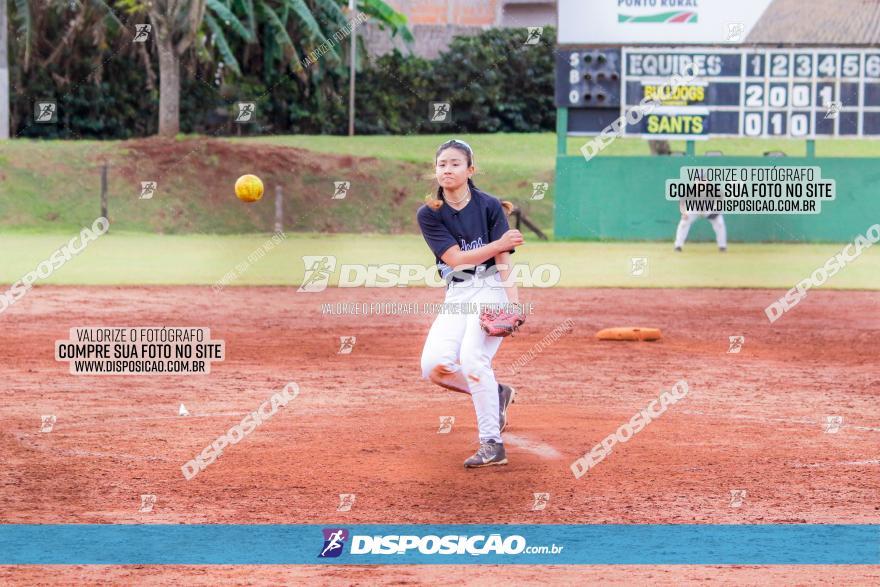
x,y
501,320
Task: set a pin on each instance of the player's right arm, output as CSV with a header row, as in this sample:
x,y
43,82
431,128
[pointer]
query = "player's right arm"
x,y
455,257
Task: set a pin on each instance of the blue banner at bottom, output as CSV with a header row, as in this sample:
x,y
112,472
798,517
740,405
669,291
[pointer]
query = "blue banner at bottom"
x,y
258,544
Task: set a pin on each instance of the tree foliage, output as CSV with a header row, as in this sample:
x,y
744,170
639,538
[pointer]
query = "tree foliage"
x,y
81,55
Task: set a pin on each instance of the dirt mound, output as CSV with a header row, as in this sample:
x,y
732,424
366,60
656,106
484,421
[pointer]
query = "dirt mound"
x,y
195,179
269,159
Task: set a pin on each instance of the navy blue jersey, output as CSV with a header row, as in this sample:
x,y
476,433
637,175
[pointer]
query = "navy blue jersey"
x,y
476,225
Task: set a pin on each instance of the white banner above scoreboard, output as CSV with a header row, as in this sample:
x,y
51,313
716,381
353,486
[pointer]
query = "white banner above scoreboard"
x,y
631,22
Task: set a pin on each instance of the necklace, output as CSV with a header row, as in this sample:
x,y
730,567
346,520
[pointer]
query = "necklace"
x,y
464,199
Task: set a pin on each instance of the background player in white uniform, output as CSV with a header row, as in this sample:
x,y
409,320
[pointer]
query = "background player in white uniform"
x,y
688,218
465,227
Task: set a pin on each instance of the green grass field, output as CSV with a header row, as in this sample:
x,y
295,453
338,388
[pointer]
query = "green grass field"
x,y
535,153
49,190
129,259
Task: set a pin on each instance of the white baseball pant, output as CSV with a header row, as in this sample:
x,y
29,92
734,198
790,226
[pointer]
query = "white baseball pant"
x,y
688,218
458,354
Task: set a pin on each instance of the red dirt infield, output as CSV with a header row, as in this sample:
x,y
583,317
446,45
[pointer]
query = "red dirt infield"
x,y
364,423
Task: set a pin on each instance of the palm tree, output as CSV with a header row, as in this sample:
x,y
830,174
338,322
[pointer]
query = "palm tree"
x,y
267,36
176,23
290,29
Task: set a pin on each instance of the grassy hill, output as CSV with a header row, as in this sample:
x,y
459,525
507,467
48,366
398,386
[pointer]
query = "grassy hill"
x,y
55,185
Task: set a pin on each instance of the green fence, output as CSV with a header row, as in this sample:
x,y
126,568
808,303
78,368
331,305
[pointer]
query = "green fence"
x,y
622,198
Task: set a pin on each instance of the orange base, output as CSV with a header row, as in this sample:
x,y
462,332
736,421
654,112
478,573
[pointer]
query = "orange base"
x,y
629,333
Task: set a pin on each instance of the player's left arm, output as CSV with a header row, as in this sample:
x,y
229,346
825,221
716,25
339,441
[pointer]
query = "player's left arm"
x,y
498,225
505,266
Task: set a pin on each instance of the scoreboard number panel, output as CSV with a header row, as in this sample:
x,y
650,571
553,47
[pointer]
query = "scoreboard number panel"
x,y
750,92
792,93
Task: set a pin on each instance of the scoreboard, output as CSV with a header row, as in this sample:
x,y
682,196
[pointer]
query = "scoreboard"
x,y
743,91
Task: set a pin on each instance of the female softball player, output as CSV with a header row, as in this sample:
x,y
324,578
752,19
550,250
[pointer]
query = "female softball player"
x,y
467,231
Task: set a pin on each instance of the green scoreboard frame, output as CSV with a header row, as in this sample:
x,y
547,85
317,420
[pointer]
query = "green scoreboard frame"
x,y
754,92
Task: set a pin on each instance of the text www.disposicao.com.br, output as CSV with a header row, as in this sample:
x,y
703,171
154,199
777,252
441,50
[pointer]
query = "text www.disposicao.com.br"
x,y
734,206
139,366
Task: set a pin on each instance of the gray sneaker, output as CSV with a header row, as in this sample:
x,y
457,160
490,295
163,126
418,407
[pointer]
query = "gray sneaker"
x,y
490,453
506,394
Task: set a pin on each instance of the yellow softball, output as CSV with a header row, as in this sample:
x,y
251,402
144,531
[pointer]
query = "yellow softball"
x,y
249,188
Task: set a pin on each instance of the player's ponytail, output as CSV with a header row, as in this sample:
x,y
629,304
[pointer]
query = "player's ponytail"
x,y
432,201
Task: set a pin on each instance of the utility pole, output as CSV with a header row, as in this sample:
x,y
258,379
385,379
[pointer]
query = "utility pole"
x,y
351,10
4,74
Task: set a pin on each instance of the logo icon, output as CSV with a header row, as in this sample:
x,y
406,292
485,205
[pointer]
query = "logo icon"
x,y
148,189
346,500
440,112
142,33
832,109
541,501
669,17
147,503
735,31
638,266
539,189
246,111
341,189
535,33
736,343
446,423
46,112
737,496
183,411
334,540
47,423
346,345
317,272
833,424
